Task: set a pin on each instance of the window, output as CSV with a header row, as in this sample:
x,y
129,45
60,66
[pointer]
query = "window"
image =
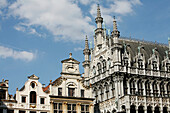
x,y
10,111
148,89
107,91
126,62
82,92
32,111
140,64
132,87
32,97
84,108
101,93
154,65
32,84
71,108
2,94
59,91
113,89
99,68
140,88
71,91
96,95
42,100
155,89
104,66
162,89
168,67
23,98
58,108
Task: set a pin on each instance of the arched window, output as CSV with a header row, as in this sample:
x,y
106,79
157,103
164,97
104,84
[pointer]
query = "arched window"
x,y
101,93
104,66
140,109
156,110
33,97
96,95
155,89
126,62
132,87
132,109
168,89
107,90
149,109
162,89
99,68
113,89
148,88
140,87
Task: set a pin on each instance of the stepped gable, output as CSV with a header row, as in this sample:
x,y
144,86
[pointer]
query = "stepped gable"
x,y
146,48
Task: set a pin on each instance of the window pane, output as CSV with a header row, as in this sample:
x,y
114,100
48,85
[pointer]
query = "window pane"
x,y
59,91
60,106
74,107
87,107
68,106
82,93
42,100
55,105
23,99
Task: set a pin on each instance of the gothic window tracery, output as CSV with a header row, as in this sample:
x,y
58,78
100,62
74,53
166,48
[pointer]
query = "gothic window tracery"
x,y
125,61
101,93
155,89
168,67
154,64
104,66
107,91
140,64
148,88
140,87
162,89
132,87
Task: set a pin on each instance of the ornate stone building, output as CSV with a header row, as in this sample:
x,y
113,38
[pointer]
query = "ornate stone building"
x,y
127,75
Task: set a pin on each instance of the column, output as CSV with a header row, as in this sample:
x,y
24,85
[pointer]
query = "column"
x,y
64,107
78,107
91,108
51,107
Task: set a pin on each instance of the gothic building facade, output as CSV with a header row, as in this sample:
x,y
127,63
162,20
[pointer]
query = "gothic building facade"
x,y
127,75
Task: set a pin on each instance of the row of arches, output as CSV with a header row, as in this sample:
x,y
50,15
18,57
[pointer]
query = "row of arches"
x,y
149,109
151,88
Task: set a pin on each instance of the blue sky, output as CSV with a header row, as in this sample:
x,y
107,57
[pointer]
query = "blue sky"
x,y
35,35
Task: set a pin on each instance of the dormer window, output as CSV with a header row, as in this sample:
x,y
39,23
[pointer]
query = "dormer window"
x,y
71,92
154,65
140,64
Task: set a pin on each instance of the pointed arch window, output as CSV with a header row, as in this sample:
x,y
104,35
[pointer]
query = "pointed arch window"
x,y
140,87
132,87
107,91
101,93
113,89
99,68
126,62
155,89
148,88
162,89
104,66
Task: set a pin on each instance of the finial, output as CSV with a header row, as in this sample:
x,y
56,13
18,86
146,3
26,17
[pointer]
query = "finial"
x,y
139,49
108,32
114,24
98,11
70,55
17,89
86,43
86,37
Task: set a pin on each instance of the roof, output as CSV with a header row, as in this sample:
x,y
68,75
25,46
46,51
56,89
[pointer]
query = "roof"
x,y
147,48
57,82
33,77
70,60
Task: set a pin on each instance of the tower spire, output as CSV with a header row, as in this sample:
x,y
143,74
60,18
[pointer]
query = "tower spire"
x,y
86,43
115,32
98,11
114,24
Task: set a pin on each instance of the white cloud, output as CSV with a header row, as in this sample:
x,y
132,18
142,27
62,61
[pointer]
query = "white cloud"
x,y
10,53
116,7
3,3
78,49
63,18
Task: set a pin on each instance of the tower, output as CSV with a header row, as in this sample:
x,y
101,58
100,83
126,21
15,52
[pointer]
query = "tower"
x,y
86,63
99,30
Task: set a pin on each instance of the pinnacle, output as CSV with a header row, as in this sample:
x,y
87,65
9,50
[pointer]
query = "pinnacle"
x,y
98,11
114,24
